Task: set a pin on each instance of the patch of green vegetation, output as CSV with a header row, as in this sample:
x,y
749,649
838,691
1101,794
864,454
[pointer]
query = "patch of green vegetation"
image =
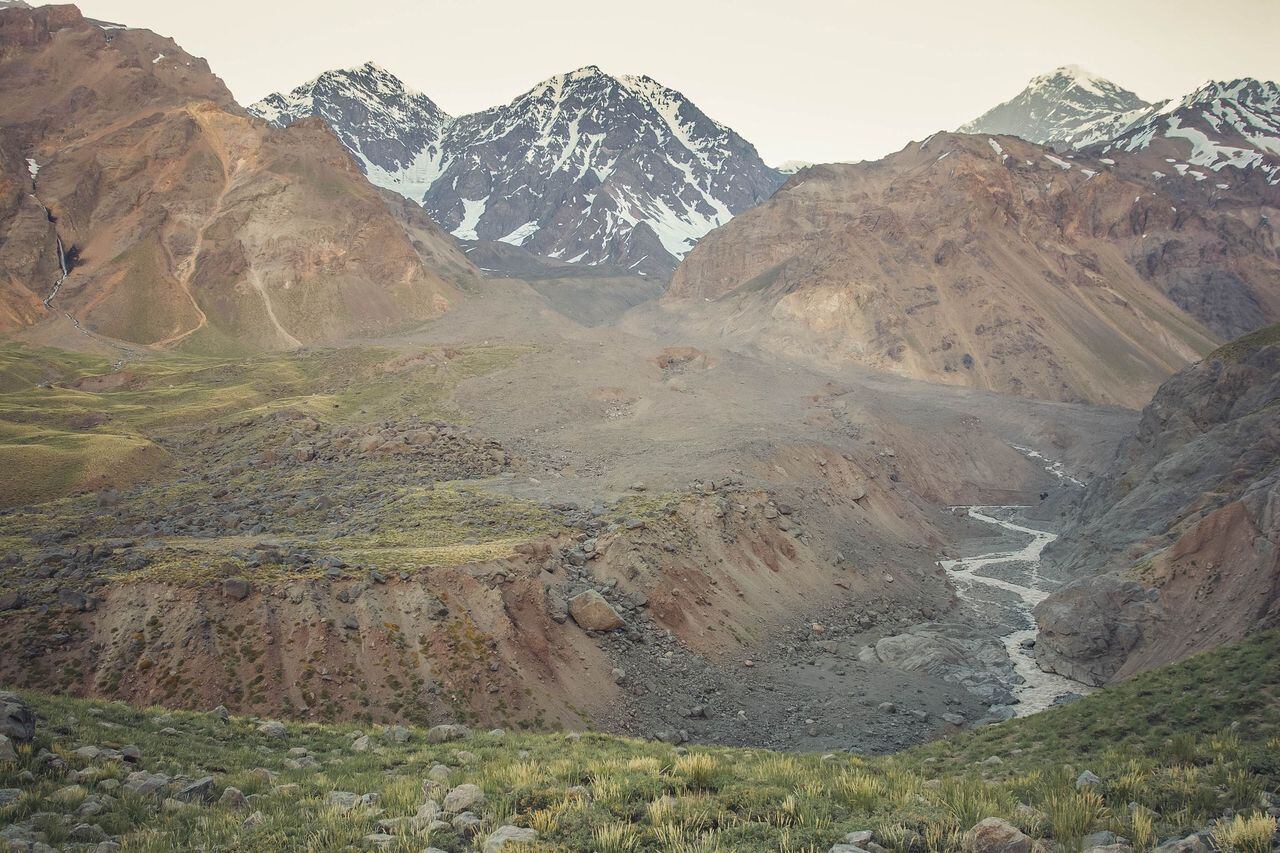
x,y
1173,749
1242,348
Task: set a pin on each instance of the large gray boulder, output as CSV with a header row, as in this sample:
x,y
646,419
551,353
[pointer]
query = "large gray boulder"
x,y
17,720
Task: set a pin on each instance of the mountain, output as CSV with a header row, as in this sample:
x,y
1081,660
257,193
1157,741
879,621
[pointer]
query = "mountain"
x,y
1176,548
1232,124
991,262
143,204
394,132
1068,106
584,167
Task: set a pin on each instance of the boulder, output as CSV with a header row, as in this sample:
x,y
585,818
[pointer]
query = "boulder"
x,y
232,798
504,835
447,732
593,613
199,791
75,601
1089,627
462,798
271,728
343,799
17,720
237,589
993,835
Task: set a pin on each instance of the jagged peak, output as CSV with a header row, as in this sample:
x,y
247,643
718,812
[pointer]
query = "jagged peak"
x,y
1249,90
1074,76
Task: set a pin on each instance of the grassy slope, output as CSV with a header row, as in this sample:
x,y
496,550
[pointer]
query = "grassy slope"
x,y
69,424
1183,744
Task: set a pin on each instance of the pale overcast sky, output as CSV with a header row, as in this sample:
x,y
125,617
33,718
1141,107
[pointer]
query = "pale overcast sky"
x,y
817,80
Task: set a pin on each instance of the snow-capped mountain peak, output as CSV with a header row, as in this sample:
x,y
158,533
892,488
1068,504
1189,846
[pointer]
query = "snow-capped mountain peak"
x,y
1221,124
1068,105
584,166
394,131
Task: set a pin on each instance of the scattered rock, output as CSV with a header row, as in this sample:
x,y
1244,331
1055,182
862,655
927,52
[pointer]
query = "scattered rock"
x,y
232,798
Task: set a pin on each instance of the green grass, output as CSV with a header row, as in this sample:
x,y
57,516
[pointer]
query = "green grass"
x,y
1241,348
60,412
1174,748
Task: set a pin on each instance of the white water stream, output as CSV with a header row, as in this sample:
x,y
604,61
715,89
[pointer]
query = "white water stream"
x,y
1039,688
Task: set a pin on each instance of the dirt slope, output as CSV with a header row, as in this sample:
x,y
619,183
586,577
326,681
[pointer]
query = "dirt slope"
x,y
987,262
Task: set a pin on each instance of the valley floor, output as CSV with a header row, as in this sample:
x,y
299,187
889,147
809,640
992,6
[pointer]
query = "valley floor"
x,y
393,531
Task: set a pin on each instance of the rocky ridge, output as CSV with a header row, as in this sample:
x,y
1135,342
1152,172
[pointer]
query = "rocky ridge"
x,y
1175,549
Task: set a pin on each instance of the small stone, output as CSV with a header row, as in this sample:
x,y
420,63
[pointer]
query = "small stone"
x,y
1087,779
232,798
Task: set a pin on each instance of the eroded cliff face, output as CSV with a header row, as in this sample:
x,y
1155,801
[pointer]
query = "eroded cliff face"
x,y
182,219
1177,546
991,262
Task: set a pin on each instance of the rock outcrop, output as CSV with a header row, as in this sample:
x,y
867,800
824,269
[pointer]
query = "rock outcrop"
x,y
1176,549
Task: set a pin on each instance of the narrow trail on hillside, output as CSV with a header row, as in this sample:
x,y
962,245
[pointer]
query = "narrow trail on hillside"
x,y
1039,689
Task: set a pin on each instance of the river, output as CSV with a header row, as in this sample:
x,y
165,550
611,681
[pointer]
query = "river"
x,y
1039,689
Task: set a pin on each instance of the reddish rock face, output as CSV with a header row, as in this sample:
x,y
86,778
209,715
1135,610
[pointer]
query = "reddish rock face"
x,y
25,27
994,263
1177,547
163,192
